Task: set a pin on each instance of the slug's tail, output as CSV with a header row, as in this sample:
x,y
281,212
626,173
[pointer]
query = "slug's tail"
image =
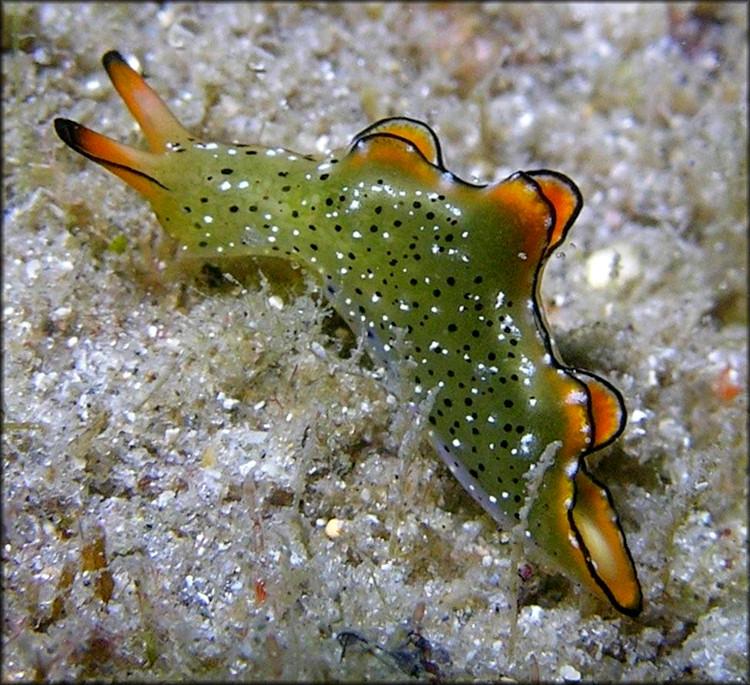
x,y
138,168
602,543
575,523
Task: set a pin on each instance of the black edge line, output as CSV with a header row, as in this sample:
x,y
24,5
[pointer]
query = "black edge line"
x,y
367,131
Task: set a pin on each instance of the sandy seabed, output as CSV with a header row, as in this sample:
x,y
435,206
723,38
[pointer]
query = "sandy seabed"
x,y
202,481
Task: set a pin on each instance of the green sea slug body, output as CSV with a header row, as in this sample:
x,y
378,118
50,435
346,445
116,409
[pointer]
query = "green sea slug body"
x,y
442,279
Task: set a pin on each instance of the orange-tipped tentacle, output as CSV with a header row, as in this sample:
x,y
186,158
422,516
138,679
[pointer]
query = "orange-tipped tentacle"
x,y
133,166
158,124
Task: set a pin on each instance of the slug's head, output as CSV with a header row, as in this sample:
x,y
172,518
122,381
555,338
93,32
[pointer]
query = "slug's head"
x,y
142,170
